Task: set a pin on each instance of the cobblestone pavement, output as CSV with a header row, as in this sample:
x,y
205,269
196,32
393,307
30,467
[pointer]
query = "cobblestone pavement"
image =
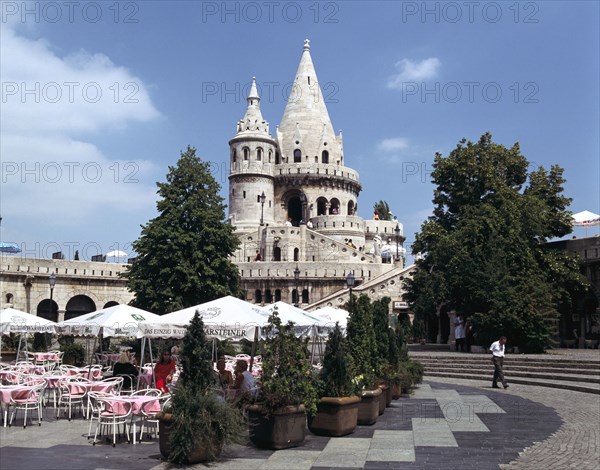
x,y
576,444
444,425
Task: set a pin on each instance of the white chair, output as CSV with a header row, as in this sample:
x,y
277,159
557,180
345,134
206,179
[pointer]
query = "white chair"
x,y
110,416
31,402
95,408
70,395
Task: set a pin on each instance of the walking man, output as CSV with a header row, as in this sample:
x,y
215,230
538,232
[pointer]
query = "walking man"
x,y
497,349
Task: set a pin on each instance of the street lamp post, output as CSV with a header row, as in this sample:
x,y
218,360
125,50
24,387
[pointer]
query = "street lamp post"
x,y
397,230
262,207
297,278
350,279
52,282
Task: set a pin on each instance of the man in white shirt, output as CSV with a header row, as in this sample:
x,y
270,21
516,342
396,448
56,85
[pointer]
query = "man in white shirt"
x,y
497,350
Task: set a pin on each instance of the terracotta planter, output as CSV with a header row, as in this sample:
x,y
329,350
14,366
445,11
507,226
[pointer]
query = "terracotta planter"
x,y
281,430
165,424
335,416
383,398
368,408
396,391
389,395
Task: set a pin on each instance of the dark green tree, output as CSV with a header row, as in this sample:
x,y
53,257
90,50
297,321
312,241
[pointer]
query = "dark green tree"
x,y
381,329
483,247
361,340
183,253
335,378
383,209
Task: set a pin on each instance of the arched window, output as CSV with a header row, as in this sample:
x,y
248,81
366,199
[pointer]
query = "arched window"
x,y
297,156
268,296
258,296
277,158
296,254
277,295
276,254
325,156
334,208
259,154
305,296
321,206
246,153
9,298
350,207
234,156
294,296
270,155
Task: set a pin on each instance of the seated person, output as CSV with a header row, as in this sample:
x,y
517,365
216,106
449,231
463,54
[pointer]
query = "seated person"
x,y
225,377
123,367
244,382
163,371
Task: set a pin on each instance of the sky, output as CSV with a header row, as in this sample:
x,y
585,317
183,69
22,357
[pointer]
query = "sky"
x,y
99,98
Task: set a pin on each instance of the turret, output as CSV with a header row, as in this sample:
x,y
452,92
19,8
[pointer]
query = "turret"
x,y
252,159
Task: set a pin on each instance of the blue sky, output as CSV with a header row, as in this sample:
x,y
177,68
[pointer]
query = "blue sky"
x,y
98,98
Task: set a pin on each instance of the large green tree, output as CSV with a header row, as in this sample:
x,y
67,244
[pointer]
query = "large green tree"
x,y
482,250
183,253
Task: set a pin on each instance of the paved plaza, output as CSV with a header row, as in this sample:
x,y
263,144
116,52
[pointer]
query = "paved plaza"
x,y
442,425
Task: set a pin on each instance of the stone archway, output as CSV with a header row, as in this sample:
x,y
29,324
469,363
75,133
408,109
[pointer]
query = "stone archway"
x,y
47,310
79,305
112,303
295,201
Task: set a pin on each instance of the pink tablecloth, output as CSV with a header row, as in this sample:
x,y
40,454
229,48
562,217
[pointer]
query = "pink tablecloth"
x,y
94,374
52,380
138,403
78,388
17,392
45,356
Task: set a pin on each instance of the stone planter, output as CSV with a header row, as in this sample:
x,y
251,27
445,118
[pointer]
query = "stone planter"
x,y
383,398
389,395
396,391
335,416
368,408
165,425
281,430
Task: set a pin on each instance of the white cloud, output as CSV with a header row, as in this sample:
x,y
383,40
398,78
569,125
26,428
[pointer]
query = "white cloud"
x,y
50,106
410,71
397,143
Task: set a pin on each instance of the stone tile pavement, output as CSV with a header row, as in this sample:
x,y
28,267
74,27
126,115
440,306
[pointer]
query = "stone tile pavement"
x,y
443,425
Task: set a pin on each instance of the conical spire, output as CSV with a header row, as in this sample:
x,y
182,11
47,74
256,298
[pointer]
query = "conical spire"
x,y
253,122
306,110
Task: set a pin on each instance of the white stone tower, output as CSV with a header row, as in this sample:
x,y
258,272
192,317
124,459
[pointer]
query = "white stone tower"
x,y
253,153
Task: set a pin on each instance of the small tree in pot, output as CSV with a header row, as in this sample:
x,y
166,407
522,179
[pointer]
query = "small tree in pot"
x,y
361,345
277,416
337,409
198,423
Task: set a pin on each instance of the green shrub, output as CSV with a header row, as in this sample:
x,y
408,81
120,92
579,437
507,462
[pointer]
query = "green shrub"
x,y
335,379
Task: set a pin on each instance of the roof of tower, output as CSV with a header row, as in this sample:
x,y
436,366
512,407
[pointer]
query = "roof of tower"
x,y
306,113
253,123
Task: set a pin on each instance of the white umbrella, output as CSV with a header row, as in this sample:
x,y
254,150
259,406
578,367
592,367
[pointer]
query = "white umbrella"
x,y
332,315
586,219
119,320
224,318
303,321
16,321
116,254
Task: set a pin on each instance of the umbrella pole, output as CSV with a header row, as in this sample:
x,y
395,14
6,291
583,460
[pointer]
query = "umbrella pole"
x,y
253,350
141,362
312,352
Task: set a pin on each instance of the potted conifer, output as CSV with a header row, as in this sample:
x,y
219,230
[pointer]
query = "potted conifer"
x,y
361,346
337,408
197,423
277,415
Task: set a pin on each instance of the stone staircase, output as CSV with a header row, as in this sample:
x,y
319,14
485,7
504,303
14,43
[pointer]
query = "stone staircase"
x,y
578,374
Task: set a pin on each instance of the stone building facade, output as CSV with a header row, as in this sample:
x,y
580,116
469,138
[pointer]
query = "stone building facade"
x,y
294,201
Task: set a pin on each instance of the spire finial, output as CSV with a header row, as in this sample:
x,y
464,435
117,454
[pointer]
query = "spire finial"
x,y
307,44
